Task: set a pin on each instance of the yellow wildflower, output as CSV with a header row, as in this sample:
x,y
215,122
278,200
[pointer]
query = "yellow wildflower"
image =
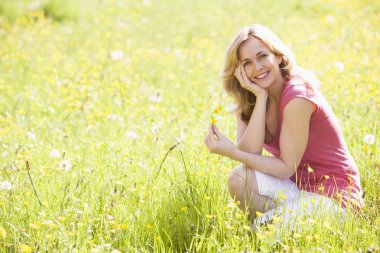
x,y
123,226
309,237
207,197
24,249
296,235
245,227
218,109
3,233
276,219
149,226
209,216
184,209
259,214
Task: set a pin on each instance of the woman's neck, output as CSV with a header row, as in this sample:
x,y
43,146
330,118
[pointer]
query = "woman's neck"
x,y
275,91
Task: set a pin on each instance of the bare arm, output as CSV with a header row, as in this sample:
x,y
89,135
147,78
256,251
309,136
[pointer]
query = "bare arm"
x,y
250,137
293,141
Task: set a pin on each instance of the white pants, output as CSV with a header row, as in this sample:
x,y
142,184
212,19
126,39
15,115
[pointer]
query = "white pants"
x,y
293,202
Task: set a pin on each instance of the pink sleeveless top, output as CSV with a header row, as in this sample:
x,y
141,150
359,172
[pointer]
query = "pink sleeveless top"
x,y
326,167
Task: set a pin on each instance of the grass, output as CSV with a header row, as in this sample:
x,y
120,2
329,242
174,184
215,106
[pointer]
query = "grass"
x,y
111,108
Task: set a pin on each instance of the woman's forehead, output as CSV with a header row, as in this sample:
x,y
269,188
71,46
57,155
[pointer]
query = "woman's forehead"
x,y
251,46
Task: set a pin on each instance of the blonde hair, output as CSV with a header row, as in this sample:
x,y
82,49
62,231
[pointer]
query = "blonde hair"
x,y
245,99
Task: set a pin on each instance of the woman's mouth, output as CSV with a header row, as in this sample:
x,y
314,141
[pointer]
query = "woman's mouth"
x,y
262,75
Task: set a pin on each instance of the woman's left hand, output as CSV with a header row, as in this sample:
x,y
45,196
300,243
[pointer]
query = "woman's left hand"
x,y
217,143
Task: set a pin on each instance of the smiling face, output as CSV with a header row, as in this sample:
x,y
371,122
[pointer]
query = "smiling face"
x,y
260,64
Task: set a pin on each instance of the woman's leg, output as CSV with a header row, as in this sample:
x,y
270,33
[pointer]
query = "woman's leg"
x,y
243,187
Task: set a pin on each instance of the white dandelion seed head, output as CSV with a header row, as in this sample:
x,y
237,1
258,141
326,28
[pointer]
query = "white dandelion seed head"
x,y
31,135
5,185
339,66
156,98
154,128
54,153
369,139
65,165
132,135
116,55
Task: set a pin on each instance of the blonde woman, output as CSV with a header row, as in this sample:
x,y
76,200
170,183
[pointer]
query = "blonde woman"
x,y
280,108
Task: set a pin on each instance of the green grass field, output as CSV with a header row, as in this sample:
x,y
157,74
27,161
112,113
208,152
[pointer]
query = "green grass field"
x,y
110,101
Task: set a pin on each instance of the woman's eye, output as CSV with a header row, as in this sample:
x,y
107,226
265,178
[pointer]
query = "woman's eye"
x,y
263,55
246,63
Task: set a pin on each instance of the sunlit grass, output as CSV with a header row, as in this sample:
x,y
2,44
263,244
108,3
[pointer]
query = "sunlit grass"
x,y
111,110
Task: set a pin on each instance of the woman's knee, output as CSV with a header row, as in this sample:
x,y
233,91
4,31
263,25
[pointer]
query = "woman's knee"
x,y
241,177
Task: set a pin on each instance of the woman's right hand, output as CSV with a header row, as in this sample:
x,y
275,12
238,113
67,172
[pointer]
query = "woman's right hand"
x,y
247,84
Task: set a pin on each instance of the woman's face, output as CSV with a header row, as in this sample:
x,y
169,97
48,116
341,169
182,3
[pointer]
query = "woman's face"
x,y
260,64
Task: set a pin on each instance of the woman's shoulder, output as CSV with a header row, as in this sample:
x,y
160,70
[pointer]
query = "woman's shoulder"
x,y
298,87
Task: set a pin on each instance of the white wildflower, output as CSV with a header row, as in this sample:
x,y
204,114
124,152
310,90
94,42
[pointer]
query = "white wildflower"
x,y
65,165
339,66
31,135
5,185
369,139
54,153
154,128
132,135
116,55
156,98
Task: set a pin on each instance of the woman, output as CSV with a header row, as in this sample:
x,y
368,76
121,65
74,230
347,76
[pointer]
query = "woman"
x,y
279,108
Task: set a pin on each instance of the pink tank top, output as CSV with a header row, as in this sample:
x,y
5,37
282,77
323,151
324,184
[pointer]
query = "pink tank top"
x,y
326,167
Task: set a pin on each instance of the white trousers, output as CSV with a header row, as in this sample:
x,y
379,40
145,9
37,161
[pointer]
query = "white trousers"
x,y
293,202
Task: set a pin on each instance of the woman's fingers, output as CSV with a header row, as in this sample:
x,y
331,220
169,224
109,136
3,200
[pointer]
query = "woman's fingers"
x,y
216,131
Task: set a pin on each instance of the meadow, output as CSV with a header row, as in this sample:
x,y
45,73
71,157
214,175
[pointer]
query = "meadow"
x,y
109,102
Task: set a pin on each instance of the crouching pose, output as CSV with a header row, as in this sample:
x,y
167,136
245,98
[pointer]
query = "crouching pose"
x,y
280,108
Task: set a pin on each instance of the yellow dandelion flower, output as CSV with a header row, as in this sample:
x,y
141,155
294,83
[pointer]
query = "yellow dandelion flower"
x,y
259,214
158,238
123,226
290,210
276,219
213,120
184,209
207,197
297,236
260,236
149,226
209,216
24,248
217,110
245,227
35,225
268,233
3,233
